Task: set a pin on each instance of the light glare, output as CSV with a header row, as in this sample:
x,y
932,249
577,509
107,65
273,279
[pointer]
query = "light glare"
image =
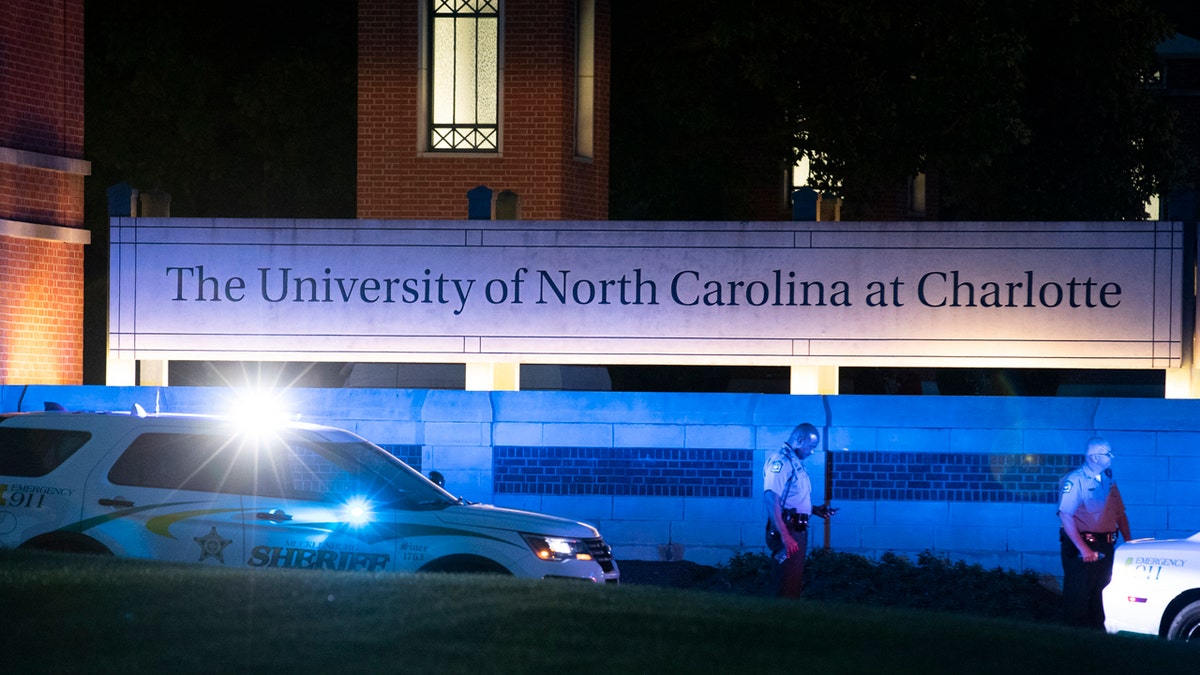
x,y
358,511
258,411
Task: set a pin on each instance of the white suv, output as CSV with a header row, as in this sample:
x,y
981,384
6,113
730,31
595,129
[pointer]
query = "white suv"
x,y
1155,589
201,489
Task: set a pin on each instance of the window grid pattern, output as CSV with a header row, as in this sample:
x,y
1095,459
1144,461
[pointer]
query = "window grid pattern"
x,y
949,477
464,106
409,454
653,472
857,476
313,476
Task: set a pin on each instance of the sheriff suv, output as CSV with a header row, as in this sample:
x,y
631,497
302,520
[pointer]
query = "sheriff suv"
x,y
205,490
1155,589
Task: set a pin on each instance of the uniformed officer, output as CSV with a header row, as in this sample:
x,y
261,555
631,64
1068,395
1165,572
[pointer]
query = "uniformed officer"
x,y
1092,512
787,494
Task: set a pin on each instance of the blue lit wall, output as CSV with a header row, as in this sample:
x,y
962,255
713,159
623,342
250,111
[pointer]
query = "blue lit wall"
x,y
949,477
678,476
623,472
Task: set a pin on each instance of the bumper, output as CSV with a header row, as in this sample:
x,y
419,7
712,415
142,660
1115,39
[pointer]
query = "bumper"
x,y
1129,609
582,570
587,570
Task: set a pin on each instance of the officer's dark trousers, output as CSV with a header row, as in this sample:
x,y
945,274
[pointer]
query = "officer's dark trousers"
x,y
1083,582
788,576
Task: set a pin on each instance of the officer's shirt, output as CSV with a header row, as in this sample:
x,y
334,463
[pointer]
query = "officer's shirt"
x,y
784,475
1093,500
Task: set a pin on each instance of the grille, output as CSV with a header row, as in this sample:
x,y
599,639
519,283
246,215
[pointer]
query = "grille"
x,y
601,553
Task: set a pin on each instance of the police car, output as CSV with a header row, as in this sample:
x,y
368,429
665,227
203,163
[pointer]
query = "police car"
x,y
208,490
1155,589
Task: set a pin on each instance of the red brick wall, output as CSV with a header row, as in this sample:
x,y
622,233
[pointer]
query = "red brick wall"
x,y
40,196
537,160
41,318
42,78
41,111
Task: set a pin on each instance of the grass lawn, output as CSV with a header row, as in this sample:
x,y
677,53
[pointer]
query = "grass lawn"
x,y
68,614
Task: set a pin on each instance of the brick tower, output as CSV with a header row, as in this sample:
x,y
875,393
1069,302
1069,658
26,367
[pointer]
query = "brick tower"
x,y
41,192
507,94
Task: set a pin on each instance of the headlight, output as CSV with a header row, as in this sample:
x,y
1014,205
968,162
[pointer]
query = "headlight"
x,y
557,548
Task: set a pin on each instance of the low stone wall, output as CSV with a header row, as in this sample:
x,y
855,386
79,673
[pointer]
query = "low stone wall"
x,y
678,476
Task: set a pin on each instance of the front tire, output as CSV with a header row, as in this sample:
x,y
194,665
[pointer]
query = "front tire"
x,y
1186,626
466,564
64,542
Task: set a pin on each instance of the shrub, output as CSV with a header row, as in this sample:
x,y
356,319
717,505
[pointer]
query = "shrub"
x,y
931,582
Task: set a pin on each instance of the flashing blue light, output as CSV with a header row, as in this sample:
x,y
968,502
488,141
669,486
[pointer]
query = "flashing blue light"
x,y
357,512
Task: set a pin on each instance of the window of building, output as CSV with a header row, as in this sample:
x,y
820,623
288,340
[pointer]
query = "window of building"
x,y
464,78
916,195
801,172
585,78
1153,208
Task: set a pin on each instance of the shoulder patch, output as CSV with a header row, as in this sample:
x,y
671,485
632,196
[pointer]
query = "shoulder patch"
x,y
776,466
1066,487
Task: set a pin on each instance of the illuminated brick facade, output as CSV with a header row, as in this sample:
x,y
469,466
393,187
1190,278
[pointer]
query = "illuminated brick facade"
x,y
538,159
41,192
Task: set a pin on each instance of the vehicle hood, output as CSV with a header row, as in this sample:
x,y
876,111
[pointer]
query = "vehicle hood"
x,y
1191,544
485,515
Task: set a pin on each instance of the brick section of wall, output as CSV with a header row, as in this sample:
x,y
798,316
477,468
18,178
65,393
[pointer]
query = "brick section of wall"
x,y
537,161
41,196
643,472
41,318
316,474
949,477
861,476
42,78
41,111
409,454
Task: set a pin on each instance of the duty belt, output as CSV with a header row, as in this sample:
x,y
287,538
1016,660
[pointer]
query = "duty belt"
x,y
1099,537
794,520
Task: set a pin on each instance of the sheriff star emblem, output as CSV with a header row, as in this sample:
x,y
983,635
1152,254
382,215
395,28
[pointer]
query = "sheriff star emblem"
x,y
212,545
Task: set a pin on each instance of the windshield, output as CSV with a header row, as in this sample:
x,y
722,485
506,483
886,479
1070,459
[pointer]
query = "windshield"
x,y
336,466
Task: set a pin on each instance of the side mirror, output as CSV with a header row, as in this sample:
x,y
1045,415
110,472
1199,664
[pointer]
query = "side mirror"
x,y
437,478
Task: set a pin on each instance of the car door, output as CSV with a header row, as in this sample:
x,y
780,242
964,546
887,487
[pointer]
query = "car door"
x,y
313,508
171,495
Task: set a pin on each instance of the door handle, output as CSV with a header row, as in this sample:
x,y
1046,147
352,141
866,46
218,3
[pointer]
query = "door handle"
x,y
116,502
274,515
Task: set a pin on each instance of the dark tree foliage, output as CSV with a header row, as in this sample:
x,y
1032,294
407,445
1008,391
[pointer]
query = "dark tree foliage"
x,y
241,109
1027,110
235,109
692,137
